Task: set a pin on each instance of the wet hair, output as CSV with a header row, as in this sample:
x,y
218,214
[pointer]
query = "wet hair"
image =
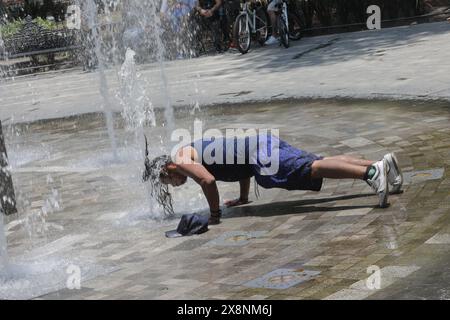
x,y
154,171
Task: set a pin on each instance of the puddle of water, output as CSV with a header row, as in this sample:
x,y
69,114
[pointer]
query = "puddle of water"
x,y
21,156
27,279
48,268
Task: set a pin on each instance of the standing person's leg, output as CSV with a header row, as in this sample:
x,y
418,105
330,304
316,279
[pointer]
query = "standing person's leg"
x,y
214,26
225,28
271,11
273,21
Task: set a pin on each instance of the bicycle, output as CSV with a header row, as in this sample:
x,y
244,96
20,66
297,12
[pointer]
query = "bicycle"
x,y
252,21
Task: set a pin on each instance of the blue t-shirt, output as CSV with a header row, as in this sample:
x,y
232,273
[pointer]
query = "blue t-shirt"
x,y
232,165
273,162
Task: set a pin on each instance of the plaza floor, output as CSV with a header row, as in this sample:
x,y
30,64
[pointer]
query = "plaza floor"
x,y
80,205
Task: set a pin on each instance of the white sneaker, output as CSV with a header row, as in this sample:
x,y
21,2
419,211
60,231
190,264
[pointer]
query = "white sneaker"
x,y
379,182
395,176
271,40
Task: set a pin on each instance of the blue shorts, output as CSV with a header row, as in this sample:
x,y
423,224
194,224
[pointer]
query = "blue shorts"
x,y
294,172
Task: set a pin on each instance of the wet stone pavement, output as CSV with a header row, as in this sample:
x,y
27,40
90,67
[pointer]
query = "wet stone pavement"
x,y
78,203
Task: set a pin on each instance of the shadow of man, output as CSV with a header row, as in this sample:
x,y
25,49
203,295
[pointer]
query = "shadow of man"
x,y
304,206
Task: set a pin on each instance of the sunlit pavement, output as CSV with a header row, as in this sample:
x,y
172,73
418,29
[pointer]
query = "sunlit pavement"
x,y
405,62
284,245
81,207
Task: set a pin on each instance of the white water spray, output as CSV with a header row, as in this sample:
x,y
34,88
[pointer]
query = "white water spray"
x,y
137,109
92,22
3,244
146,15
168,111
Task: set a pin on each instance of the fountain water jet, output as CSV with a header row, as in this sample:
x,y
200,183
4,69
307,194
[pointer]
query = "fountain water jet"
x,y
168,111
137,109
90,13
145,15
4,264
143,21
43,271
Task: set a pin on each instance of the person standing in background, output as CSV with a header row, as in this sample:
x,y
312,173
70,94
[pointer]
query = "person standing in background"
x,y
214,18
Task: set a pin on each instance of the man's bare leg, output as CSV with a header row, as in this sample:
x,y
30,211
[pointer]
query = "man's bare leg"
x,y
337,169
273,21
352,160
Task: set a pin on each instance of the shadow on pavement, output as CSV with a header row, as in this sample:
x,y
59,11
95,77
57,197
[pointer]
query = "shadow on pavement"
x,y
328,50
297,207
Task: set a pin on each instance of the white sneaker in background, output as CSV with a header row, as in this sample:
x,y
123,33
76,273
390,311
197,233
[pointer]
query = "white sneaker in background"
x,y
271,40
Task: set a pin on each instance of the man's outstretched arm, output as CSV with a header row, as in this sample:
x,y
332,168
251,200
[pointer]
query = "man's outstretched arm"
x,y
244,191
187,165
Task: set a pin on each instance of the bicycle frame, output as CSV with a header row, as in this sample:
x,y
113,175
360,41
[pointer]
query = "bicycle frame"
x,y
250,17
250,24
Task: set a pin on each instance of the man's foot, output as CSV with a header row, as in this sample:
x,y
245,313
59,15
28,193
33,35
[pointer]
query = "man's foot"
x,y
271,40
395,176
213,219
379,182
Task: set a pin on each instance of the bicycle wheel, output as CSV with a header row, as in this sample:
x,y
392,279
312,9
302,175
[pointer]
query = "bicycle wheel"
x,y
241,33
295,27
282,29
262,29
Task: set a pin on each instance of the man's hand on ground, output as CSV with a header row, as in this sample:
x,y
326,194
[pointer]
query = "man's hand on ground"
x,y
235,202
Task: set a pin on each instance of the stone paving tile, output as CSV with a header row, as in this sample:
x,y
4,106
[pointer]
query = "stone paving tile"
x,y
338,232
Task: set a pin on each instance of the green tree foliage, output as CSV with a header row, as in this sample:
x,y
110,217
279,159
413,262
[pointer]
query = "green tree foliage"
x,y
11,28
